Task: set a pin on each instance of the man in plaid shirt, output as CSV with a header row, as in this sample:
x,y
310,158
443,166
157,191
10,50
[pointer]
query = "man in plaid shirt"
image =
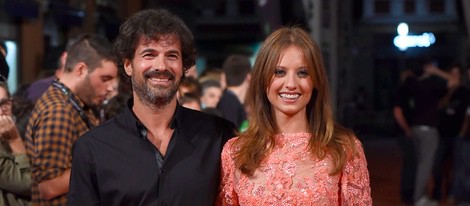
x,y
65,112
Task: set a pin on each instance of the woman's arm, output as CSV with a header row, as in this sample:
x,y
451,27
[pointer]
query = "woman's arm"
x,y
355,183
227,194
15,170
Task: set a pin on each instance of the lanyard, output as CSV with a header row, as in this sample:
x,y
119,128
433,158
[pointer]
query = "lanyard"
x,y
75,105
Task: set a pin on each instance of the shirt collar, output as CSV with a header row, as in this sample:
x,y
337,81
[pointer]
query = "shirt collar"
x,y
141,127
67,92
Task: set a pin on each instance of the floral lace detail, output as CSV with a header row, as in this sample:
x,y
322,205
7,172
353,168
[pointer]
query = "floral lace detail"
x,y
291,176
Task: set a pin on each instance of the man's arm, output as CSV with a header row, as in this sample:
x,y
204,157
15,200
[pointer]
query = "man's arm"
x,y
83,183
401,120
55,187
53,140
465,124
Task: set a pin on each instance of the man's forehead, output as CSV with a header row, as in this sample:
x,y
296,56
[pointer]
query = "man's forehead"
x,y
163,39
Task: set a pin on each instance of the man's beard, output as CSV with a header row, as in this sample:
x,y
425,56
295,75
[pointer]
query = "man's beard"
x,y
158,96
86,92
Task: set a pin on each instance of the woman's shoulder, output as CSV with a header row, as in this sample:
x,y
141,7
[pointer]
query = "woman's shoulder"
x,y
351,143
231,143
231,146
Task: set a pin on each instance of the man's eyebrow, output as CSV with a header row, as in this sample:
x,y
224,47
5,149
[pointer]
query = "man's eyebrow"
x,y
147,50
174,51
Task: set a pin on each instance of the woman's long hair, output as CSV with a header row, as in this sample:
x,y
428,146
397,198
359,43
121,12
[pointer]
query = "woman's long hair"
x,y
258,140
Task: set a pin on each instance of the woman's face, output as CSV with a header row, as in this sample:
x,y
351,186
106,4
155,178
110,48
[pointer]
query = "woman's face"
x,y
291,86
5,102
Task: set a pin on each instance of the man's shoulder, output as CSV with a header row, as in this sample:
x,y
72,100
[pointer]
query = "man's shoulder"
x,y
113,125
229,101
51,102
203,119
228,96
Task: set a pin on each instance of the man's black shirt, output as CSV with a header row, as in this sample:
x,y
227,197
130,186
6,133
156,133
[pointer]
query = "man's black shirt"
x,y
114,164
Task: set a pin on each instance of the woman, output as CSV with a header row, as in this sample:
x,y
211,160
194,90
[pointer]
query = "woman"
x,y
15,173
293,152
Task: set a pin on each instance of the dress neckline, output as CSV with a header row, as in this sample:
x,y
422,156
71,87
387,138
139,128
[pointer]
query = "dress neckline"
x,y
292,136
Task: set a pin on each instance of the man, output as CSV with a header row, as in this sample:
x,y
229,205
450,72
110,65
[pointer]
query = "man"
x,y
402,112
64,113
452,108
237,69
155,152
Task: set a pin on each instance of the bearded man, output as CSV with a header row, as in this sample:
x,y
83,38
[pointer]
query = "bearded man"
x,y
155,152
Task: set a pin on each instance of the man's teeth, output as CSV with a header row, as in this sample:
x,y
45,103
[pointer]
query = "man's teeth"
x,y
290,96
160,79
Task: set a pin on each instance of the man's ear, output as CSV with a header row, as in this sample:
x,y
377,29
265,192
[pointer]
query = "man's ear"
x,y
128,67
80,69
63,58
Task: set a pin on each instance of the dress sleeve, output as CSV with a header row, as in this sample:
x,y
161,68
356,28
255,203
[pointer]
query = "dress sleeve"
x,y
227,194
355,183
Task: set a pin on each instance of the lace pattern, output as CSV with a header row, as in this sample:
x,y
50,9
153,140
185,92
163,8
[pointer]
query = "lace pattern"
x,y
291,176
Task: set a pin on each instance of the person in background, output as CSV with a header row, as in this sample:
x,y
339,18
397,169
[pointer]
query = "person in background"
x,y
191,101
237,69
66,111
192,72
155,152
293,152
461,159
402,113
216,74
22,109
452,109
188,85
211,93
15,170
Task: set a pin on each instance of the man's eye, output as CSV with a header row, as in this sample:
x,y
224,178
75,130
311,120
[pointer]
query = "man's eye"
x,y
173,57
105,79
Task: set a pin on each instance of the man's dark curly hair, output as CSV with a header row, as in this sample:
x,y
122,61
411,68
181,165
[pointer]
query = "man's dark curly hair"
x,y
152,25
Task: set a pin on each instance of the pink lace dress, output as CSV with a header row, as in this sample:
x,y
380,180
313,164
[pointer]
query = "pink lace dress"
x,y
291,176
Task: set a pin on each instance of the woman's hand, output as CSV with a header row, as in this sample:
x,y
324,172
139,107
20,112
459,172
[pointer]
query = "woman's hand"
x,y
8,130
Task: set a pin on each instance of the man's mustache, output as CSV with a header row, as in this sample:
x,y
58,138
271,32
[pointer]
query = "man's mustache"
x,y
159,74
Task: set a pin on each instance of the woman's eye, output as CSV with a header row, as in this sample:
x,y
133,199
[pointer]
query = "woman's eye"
x,y
279,72
303,73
